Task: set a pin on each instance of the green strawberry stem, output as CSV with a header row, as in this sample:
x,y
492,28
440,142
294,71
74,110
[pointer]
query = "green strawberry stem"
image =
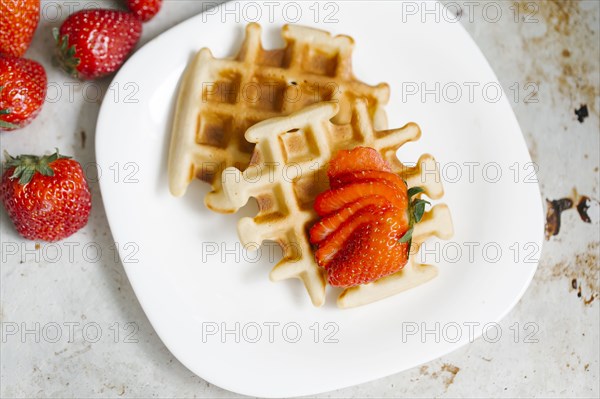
x,y
65,55
5,124
27,165
8,125
407,237
416,209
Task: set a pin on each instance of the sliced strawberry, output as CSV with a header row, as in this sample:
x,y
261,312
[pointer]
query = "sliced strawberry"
x,y
371,252
334,200
367,175
365,214
356,160
336,241
326,226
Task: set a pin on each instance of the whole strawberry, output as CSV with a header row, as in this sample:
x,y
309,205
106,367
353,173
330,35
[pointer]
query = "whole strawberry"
x,y
47,198
18,21
145,10
23,86
94,43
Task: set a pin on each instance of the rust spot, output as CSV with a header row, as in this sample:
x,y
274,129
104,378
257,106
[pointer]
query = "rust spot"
x,y
555,208
37,245
448,370
567,31
587,268
581,271
452,370
582,113
560,15
582,208
83,138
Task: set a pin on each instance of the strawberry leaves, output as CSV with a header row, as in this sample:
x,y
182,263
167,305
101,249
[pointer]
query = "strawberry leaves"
x,y
414,191
416,210
27,165
5,124
65,55
407,237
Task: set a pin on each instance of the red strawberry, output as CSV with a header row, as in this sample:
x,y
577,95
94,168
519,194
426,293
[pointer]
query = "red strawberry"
x,y
18,21
367,226
372,252
328,225
336,199
23,85
94,43
336,241
47,198
356,160
364,176
145,10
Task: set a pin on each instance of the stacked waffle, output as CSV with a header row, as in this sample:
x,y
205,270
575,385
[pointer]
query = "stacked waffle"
x,y
265,125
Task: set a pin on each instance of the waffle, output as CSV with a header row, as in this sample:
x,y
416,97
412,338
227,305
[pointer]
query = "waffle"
x,y
289,168
220,98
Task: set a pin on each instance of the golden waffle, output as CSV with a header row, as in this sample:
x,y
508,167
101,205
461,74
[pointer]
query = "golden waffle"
x,y
288,170
220,98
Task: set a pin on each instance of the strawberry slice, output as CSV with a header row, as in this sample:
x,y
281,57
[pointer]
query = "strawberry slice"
x,y
336,241
365,231
356,160
372,252
326,226
336,199
367,175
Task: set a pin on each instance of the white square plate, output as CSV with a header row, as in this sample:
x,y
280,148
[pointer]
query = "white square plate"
x,y
203,293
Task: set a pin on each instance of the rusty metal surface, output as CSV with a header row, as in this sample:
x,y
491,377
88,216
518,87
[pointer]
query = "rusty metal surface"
x,y
546,54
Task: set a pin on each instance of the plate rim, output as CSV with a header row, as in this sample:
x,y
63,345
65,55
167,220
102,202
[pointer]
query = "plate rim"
x,y
152,315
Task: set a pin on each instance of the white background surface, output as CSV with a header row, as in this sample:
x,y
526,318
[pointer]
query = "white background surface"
x,y
188,280
79,291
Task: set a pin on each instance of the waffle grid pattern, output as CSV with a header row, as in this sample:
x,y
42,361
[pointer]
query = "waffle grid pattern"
x,y
220,99
288,170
